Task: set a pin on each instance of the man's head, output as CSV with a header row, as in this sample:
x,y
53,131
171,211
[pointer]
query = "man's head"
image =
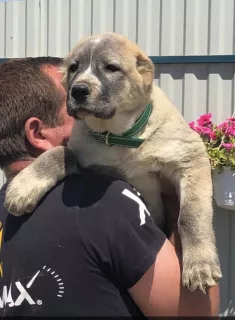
x,y
33,115
105,75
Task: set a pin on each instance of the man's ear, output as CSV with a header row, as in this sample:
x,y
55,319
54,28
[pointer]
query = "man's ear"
x,y
145,67
36,135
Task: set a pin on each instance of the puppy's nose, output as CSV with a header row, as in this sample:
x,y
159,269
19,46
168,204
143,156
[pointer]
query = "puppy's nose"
x,y
80,91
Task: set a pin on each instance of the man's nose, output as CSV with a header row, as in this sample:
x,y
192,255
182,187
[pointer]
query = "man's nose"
x,y
80,92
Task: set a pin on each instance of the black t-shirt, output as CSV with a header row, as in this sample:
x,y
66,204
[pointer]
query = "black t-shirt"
x,y
89,240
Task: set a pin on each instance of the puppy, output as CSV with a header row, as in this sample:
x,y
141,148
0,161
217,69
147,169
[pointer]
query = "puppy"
x,y
125,122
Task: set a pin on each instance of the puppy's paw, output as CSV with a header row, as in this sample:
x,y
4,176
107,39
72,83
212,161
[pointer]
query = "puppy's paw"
x,y
24,192
200,274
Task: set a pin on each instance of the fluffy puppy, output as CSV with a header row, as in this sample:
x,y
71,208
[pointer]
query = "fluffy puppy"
x,y
109,83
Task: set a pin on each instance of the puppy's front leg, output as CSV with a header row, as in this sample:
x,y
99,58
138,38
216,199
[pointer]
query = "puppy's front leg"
x,y
28,187
201,267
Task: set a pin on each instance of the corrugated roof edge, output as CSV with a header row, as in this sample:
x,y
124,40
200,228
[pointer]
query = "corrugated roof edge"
x,y
185,59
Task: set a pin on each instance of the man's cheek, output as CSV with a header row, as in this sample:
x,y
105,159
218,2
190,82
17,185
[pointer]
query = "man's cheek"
x,y
61,135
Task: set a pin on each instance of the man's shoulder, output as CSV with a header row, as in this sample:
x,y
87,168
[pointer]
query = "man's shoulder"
x,y
87,189
105,202
80,191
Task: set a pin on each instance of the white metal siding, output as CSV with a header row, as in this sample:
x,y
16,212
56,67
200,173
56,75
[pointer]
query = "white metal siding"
x,y
160,27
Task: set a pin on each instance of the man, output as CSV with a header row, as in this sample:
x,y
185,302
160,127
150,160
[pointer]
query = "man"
x,y
91,247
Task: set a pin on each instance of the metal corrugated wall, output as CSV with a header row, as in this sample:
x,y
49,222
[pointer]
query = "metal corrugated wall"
x,y
161,27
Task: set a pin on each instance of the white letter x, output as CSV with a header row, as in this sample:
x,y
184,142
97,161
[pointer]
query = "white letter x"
x,y
142,206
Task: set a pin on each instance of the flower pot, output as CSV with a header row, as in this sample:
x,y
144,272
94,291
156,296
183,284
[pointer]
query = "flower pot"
x,y
224,188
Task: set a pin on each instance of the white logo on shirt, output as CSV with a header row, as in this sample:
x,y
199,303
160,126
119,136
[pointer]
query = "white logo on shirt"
x,y
7,300
142,207
23,294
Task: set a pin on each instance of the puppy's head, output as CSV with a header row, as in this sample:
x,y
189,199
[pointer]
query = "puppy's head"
x,y
105,75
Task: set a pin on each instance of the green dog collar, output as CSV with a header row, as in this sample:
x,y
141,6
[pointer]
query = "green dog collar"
x,y
126,140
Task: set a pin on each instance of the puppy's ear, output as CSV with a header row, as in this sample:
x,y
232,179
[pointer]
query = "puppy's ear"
x,y
145,67
64,79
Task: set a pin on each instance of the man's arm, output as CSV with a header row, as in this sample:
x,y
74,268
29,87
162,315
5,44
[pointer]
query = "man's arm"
x,y
160,292
138,255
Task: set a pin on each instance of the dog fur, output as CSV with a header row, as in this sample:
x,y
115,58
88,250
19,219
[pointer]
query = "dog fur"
x,y
119,78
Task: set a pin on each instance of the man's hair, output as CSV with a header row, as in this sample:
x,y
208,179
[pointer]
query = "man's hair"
x,y
26,91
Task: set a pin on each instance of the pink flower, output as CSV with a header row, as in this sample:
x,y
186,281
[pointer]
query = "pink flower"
x,y
230,131
198,129
205,119
192,124
206,130
231,119
213,135
228,146
222,126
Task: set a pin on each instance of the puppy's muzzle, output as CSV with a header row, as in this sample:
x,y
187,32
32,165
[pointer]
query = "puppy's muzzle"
x,y
79,94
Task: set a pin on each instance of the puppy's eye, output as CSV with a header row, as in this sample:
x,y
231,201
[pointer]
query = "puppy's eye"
x,y
73,67
112,68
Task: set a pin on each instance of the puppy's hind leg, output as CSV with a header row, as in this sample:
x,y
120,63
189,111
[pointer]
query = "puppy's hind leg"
x,y
28,187
201,267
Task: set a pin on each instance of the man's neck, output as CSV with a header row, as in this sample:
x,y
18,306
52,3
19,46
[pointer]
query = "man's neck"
x,y
16,167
